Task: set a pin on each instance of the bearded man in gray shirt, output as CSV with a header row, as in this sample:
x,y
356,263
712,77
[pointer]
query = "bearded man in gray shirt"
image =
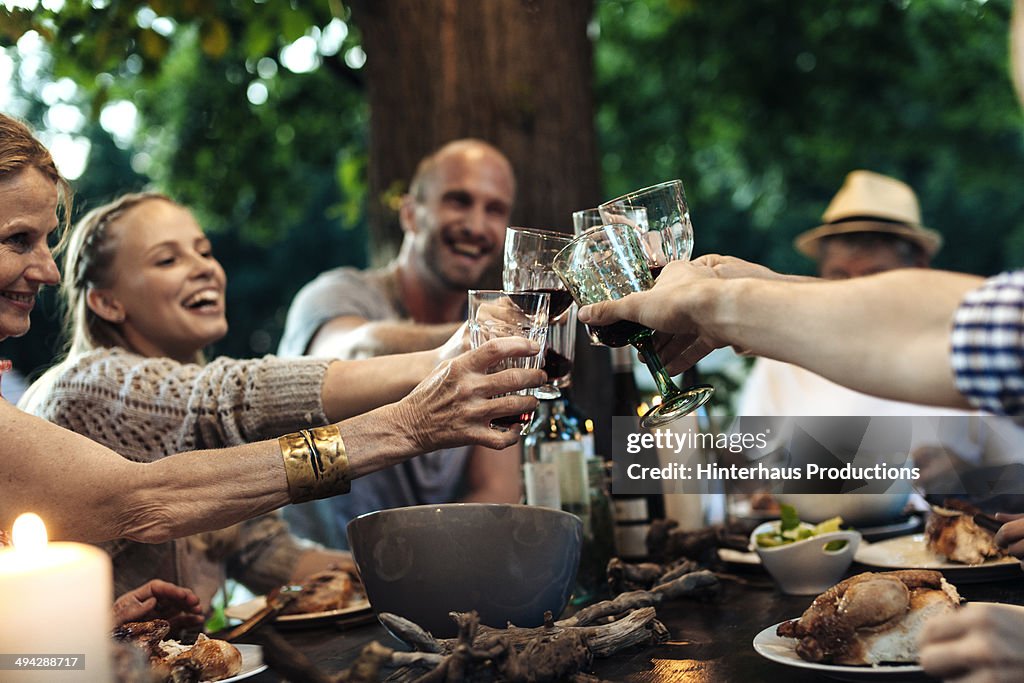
x,y
454,220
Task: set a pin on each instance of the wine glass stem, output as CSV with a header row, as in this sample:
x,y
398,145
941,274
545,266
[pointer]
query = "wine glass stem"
x,y
666,387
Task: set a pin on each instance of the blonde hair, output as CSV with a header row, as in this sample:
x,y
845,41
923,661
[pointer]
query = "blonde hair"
x,y
88,256
19,149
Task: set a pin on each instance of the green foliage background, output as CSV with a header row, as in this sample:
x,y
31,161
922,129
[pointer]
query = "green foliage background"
x,y
760,106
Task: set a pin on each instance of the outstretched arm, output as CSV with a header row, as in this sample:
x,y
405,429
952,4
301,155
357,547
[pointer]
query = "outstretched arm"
x,y
886,334
87,492
354,386
351,337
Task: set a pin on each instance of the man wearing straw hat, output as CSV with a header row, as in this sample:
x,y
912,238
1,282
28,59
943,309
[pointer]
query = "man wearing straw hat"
x,y
873,224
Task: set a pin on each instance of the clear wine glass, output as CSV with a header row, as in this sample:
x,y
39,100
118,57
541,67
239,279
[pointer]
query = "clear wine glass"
x,y
527,268
608,262
661,218
494,314
585,219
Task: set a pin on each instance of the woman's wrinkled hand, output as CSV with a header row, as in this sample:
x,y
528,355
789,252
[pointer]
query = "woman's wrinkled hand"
x,y
979,643
455,404
158,599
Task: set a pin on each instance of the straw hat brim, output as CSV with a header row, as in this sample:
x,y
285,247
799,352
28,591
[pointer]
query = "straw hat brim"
x,y
809,243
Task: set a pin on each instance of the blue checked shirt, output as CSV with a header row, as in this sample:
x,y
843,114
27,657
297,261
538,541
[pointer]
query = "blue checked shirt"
x,y
988,345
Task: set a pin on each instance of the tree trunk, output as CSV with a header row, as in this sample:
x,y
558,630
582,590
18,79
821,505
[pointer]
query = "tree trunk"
x,y
516,73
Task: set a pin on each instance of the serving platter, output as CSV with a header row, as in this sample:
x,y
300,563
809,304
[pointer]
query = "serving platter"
x,y
359,606
252,663
783,651
911,552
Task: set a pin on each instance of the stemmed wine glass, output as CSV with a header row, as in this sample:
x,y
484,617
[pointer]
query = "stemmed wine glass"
x,y
527,268
608,262
661,218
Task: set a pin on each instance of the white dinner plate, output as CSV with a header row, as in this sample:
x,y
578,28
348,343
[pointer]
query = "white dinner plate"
x,y
911,552
252,663
244,610
783,651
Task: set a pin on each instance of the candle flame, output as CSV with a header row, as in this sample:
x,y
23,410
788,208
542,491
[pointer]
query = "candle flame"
x,y
29,533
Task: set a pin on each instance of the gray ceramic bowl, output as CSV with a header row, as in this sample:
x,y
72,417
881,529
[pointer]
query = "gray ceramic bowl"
x,y
510,563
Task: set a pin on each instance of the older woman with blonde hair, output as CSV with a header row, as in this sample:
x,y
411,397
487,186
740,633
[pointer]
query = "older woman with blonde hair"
x,y
144,296
86,491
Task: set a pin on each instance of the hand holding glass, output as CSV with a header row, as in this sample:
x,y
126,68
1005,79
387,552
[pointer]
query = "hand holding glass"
x,y
606,263
527,268
585,219
494,314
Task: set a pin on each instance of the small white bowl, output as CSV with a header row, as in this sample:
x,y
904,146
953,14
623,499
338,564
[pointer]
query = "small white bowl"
x,y
805,567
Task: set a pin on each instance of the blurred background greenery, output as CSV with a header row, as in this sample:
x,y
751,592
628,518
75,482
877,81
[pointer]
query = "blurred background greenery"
x,y
256,115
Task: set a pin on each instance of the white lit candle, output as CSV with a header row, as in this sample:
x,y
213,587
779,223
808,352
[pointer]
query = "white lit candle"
x,y
55,605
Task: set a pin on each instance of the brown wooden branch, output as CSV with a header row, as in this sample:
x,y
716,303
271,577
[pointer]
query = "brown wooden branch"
x,y
693,584
410,633
624,576
637,628
556,651
674,571
666,542
368,665
698,584
620,604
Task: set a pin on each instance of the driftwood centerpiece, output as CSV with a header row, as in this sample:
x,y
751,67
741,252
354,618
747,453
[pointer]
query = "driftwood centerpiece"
x,y
556,651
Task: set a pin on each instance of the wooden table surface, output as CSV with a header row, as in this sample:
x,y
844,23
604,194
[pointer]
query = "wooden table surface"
x,y
711,641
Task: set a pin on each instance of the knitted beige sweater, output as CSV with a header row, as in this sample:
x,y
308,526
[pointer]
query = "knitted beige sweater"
x,y
149,408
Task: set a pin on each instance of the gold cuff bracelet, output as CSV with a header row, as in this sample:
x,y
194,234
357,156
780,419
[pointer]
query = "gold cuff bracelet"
x,y
315,462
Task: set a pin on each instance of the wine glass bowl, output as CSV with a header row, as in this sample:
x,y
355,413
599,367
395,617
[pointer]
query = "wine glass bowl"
x,y
585,219
527,268
661,217
607,263
494,314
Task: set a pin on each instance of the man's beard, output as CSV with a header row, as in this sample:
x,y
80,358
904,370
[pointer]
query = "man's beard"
x,y
433,263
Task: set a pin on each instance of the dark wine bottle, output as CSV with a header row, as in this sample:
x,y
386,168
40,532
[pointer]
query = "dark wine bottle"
x,y
633,512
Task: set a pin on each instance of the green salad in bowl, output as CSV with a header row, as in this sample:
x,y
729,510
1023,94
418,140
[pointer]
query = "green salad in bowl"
x,y
804,559
790,530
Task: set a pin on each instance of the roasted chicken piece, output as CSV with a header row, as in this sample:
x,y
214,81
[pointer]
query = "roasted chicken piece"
x,y
324,591
145,634
215,659
952,533
871,618
170,661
